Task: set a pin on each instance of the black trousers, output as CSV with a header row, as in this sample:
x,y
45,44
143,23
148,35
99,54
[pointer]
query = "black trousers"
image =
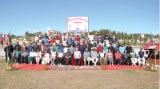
x,y
77,62
67,60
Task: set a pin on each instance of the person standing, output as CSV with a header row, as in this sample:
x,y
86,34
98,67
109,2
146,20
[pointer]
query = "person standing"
x,y
114,39
56,47
6,50
77,56
129,49
17,46
1,40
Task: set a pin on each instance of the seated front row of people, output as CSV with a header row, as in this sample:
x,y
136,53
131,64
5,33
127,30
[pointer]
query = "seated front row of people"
x,y
88,57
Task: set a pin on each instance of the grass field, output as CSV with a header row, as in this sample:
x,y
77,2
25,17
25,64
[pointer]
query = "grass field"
x,y
78,79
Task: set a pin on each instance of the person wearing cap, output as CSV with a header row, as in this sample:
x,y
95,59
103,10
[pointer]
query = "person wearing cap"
x,y
141,58
94,56
133,57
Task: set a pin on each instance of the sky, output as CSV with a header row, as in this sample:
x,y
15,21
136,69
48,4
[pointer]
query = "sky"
x,y
131,16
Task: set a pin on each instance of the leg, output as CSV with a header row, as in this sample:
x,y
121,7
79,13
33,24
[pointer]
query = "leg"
x,y
84,59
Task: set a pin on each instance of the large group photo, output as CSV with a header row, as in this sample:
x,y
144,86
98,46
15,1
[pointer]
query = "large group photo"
x,y
93,50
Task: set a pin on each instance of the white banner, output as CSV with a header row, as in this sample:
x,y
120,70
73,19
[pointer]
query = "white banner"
x,y
77,24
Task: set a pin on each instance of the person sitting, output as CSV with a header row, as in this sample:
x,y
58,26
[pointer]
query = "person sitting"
x,y
94,55
17,55
86,56
53,56
118,57
109,56
68,57
31,56
45,58
77,56
60,57
133,58
102,56
125,57
141,58
38,56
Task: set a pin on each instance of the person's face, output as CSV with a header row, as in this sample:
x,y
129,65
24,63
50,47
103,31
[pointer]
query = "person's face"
x,y
68,50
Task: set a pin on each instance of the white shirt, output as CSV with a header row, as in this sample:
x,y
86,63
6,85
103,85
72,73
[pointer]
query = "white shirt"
x,y
53,54
36,38
65,49
101,55
46,56
60,54
77,54
38,54
32,54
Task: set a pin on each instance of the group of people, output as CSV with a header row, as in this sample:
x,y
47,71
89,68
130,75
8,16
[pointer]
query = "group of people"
x,y
82,49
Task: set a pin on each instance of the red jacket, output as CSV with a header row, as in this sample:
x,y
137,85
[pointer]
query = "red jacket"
x,y
99,49
118,55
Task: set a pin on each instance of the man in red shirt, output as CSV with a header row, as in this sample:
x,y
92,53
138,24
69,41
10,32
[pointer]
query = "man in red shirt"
x,y
51,40
99,48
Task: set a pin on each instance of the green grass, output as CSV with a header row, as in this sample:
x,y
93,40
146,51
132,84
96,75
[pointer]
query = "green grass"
x,y
77,79
131,71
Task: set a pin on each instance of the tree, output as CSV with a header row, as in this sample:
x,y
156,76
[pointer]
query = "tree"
x,y
26,33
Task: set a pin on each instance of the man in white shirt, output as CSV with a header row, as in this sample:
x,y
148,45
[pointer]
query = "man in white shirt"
x,y
53,56
77,56
60,57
